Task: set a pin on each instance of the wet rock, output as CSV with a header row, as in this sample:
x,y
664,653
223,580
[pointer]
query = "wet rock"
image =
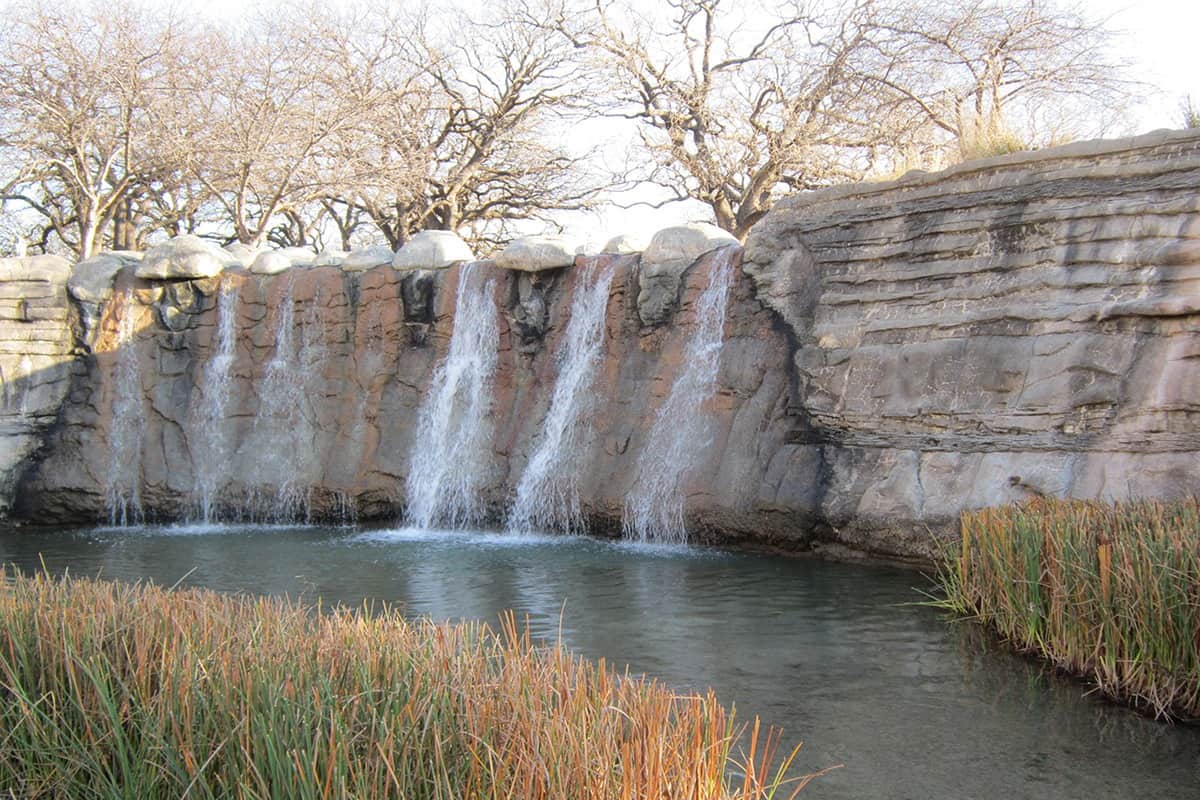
x,y
670,252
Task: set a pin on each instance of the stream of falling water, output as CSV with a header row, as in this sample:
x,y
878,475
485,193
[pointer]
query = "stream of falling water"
x,y
210,422
547,496
122,483
453,437
681,432
287,444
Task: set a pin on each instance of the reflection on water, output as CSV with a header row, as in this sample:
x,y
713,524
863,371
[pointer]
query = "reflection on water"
x,y
913,706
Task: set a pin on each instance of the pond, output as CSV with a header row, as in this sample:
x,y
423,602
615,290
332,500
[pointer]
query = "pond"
x,y
838,655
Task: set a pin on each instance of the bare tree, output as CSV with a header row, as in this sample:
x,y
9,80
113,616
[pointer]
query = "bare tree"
x,y
480,146
979,70
734,104
82,89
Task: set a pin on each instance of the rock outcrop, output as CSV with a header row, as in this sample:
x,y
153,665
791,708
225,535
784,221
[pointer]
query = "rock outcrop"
x,y
358,381
432,250
670,252
893,354
185,257
1022,325
537,253
37,335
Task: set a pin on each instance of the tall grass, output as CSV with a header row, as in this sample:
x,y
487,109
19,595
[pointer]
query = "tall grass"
x,y
1111,592
112,690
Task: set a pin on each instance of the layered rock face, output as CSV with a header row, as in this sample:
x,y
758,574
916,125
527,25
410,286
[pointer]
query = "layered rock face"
x,y
1017,326
37,336
891,354
336,426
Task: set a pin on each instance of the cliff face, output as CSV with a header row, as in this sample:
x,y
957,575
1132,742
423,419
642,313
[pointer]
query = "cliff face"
x,y
1022,325
893,354
338,433
36,342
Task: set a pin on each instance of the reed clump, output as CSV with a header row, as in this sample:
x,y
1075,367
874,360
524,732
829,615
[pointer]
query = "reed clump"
x,y
114,690
1111,592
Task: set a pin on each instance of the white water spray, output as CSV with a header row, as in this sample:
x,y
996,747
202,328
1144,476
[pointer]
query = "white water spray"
x,y
285,450
547,496
210,421
122,484
681,433
450,454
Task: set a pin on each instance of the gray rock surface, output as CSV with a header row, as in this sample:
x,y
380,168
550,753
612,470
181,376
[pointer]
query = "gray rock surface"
x,y
537,253
899,352
244,254
92,279
271,262
432,250
1017,326
183,258
625,244
36,355
670,252
331,258
367,258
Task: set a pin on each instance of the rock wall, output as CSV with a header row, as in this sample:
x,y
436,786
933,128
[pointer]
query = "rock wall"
x,y
36,344
367,344
1021,325
894,353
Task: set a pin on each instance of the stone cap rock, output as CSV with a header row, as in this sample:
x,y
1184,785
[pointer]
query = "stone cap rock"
x,y
244,253
686,242
432,250
271,262
625,244
183,258
92,279
366,257
536,253
43,269
331,258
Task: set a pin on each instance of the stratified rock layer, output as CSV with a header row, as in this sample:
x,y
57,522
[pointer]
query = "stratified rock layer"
x,y
1017,326
894,354
37,335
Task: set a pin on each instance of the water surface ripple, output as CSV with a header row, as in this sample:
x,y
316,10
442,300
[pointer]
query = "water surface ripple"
x,y
914,707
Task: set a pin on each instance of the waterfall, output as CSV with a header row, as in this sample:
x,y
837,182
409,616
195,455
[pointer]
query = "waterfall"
x,y
681,433
547,496
209,423
286,446
122,483
450,454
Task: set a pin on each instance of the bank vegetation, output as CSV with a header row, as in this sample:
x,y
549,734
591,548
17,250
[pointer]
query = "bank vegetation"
x,y
116,690
1109,592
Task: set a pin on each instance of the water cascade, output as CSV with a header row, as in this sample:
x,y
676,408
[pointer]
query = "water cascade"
x,y
210,418
453,436
280,424
681,434
122,481
547,496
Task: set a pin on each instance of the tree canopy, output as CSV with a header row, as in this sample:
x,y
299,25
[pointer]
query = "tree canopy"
x,y
371,121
